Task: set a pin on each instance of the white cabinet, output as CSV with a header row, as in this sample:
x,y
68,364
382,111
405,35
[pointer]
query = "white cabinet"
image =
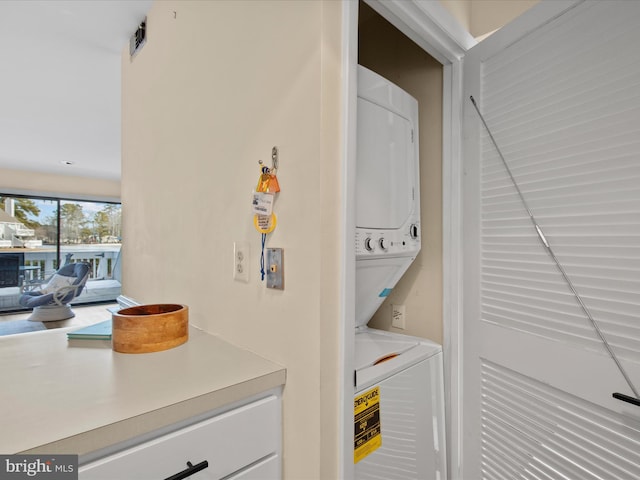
x,y
266,469
241,444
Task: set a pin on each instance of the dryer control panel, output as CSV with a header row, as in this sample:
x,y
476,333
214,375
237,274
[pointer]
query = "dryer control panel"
x,y
385,243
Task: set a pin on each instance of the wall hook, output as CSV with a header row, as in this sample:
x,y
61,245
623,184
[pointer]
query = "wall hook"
x,y
274,162
274,158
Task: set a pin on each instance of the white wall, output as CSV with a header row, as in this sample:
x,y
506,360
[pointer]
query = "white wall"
x,y
481,17
490,15
461,10
216,86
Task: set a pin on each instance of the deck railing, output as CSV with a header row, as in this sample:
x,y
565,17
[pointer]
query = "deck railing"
x,y
40,263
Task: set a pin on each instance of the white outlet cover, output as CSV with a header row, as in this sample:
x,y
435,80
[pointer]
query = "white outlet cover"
x,y
397,316
241,261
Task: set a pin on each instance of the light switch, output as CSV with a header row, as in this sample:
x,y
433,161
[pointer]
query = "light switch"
x,y
275,269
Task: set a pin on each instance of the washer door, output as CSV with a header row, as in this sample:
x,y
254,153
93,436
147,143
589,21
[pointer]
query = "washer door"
x,y
411,426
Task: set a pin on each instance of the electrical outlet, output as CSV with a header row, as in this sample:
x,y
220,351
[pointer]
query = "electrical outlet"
x,y
241,261
397,316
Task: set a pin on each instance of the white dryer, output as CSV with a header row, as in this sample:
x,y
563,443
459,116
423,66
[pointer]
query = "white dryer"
x,y
399,430
387,190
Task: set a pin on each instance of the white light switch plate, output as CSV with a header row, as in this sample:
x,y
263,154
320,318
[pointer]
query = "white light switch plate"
x,y
275,268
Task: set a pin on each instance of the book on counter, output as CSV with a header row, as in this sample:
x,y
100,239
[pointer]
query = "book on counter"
x,y
97,335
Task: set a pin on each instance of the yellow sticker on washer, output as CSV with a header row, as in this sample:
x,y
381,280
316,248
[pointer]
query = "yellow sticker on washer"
x,y
367,435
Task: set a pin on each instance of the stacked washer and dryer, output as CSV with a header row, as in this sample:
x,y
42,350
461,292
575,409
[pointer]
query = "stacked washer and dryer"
x,y
405,373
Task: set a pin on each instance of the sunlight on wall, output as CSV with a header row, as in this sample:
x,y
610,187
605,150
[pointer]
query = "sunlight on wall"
x,y
483,17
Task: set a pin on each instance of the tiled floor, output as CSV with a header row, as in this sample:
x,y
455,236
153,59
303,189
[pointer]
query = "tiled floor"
x,y
85,315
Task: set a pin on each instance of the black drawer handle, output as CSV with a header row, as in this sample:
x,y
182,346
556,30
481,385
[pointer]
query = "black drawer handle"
x,y
189,471
627,398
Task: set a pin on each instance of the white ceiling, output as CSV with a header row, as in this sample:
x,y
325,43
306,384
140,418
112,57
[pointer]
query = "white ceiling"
x,y
60,83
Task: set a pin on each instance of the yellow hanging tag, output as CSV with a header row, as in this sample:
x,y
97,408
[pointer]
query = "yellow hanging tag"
x,y
265,223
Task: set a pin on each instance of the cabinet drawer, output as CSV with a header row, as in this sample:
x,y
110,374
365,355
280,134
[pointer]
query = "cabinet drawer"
x,y
228,442
267,469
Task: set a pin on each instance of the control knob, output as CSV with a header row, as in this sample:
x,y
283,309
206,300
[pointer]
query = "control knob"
x,y
367,244
383,244
413,231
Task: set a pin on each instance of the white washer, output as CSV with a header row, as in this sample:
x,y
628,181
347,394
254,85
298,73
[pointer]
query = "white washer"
x,y
411,406
404,373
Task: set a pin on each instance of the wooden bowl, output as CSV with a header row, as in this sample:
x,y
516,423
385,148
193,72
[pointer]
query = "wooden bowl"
x,y
150,328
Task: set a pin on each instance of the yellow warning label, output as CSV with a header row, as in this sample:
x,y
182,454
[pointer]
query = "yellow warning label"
x,y
367,435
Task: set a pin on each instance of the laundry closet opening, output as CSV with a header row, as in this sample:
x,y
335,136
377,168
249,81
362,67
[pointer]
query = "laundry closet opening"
x,y
385,50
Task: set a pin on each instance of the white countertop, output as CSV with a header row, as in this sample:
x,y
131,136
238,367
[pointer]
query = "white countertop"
x,y
57,398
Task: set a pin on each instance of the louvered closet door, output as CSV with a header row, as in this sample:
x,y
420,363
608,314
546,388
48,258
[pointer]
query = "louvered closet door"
x,y
560,89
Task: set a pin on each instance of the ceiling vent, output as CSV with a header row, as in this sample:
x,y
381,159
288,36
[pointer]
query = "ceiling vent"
x,y
138,39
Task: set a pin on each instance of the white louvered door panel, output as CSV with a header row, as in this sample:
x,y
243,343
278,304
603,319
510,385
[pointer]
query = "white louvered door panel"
x,y
560,90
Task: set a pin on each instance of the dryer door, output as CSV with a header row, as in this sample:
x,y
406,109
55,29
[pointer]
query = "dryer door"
x,y
385,177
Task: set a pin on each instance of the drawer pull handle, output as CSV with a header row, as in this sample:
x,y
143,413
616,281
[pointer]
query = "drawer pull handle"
x,y
627,398
187,472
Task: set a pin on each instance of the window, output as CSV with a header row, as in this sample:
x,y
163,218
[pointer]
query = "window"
x,y
39,235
